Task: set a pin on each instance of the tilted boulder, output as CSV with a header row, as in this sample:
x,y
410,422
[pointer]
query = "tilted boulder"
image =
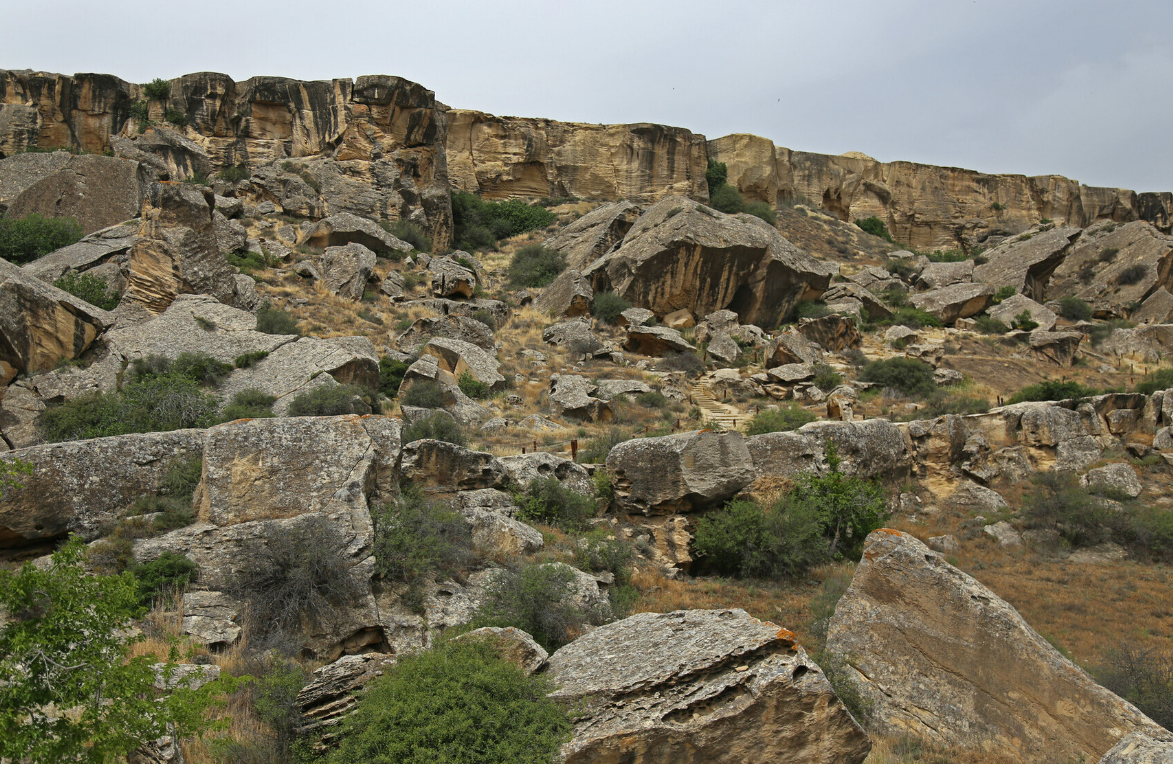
x,y
655,341
1009,309
1057,347
723,349
453,327
1114,266
679,473
570,395
107,247
956,301
447,467
791,347
1139,748
833,332
575,333
459,357
943,658
1156,309
937,275
166,151
594,234
451,279
78,486
525,468
345,270
96,191
568,295
1026,262
41,324
713,686
872,448
345,228
682,255
637,317
20,170
846,294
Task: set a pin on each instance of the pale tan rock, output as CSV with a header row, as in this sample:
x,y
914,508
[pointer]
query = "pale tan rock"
x,y
458,357
1026,262
1156,309
594,234
96,191
1091,275
955,301
833,332
655,341
1010,308
345,270
1141,748
568,296
1057,347
679,319
937,275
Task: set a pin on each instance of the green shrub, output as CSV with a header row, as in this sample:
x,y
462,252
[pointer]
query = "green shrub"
x,y
874,226
988,325
179,119
152,404
478,223
761,210
1074,309
157,89
23,240
92,289
272,320
458,703
811,309
1052,390
789,417
409,232
1024,322
140,112
1133,274
652,400
947,256
595,451
540,599
272,695
1102,331
1108,254
1161,379
391,373
906,315
826,378
600,551
246,360
1004,293
167,573
247,262
607,307
249,404
473,387
486,317
727,199
424,393
941,403
687,363
416,538
436,426
535,266
1141,675
200,368
1058,501
331,400
547,501
908,375
234,173
716,175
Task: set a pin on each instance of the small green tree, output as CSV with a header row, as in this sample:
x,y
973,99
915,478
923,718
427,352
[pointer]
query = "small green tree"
x,y
9,472
716,175
875,227
1024,322
93,289
68,691
23,240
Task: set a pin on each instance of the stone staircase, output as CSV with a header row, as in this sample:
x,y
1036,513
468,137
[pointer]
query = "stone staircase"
x,y
714,412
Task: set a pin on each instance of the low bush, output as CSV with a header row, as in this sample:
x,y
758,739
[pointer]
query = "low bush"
x,y
1133,274
409,232
424,393
486,317
23,240
247,262
941,403
727,199
1101,331
234,173
652,400
1141,675
249,404
811,309
875,227
546,500
272,694
716,175
179,119
157,89
200,368
600,551
479,223
947,256
988,325
913,318
541,600
535,266
473,387
1074,309
293,576
272,320
908,375
246,360
152,404
92,289
687,363
457,703
166,574
1056,500
595,451
416,538
1024,322
391,373
1052,390
436,426
332,400
607,306
826,378
760,209
1161,379
1004,293
789,417
1108,254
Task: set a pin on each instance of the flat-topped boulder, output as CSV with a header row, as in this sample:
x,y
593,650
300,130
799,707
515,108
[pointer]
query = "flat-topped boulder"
x,y
345,228
655,341
459,357
1011,308
955,301
451,326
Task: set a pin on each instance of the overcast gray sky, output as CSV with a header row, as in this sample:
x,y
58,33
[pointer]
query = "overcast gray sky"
x,y
1068,87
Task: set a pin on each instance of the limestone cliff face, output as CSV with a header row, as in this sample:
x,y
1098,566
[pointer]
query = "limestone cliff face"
x,y
925,206
384,133
504,157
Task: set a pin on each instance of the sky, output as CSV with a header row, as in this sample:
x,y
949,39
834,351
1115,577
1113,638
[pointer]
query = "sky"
x,y
1036,87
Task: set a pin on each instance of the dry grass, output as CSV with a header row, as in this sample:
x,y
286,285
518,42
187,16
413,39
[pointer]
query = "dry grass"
x,y
906,751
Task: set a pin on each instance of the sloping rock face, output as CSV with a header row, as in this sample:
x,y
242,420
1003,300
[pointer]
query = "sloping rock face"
x,y
1010,308
41,324
926,206
374,145
345,270
107,247
1114,266
454,327
505,157
458,357
955,301
568,296
1139,748
96,191
679,473
343,229
22,170
177,251
594,234
1026,262
683,256
76,487
873,448
942,658
714,686
166,151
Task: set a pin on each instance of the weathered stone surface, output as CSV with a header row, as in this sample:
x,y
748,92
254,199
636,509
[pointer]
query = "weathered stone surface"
x,y
1026,262
569,295
1120,477
937,275
77,486
1004,533
333,690
1141,748
451,279
392,286
791,373
19,171
19,409
345,270
594,234
458,357
1114,266
1057,347
723,349
211,617
679,473
700,686
499,310
930,353
1010,308
501,536
898,332
109,245
345,228
570,333
790,347
506,157
636,317
453,327
513,645
1156,309
570,396
833,332
680,319
96,191
440,466
943,658
609,388
41,324
868,448
524,468
946,544
177,251
680,255
655,341
166,151
956,301
1150,343
841,403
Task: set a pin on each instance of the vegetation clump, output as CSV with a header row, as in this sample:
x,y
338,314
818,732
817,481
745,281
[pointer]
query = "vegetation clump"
x,y
727,199
424,393
874,226
438,425
23,240
479,224
607,307
391,372
1074,309
332,400
249,404
547,501
407,231
1052,390
93,289
783,419
416,538
535,266
909,376
541,599
271,320
473,387
1161,379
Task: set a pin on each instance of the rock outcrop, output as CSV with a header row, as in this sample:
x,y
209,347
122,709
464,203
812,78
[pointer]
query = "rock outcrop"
x,y
1115,267
345,228
96,191
594,234
955,301
716,686
1139,748
568,296
345,270
104,253
942,658
1026,262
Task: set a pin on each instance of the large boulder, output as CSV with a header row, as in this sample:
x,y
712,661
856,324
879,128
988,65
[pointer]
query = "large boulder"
x,y
684,255
19,171
451,279
872,448
570,333
446,467
459,357
655,341
525,468
77,487
833,332
345,228
96,191
1010,308
594,234
568,296
166,151
943,658
1058,347
41,324
345,270
1114,266
937,275
1026,262
679,473
1139,748
1157,308
955,301
570,395
714,686
453,327
104,253
791,347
